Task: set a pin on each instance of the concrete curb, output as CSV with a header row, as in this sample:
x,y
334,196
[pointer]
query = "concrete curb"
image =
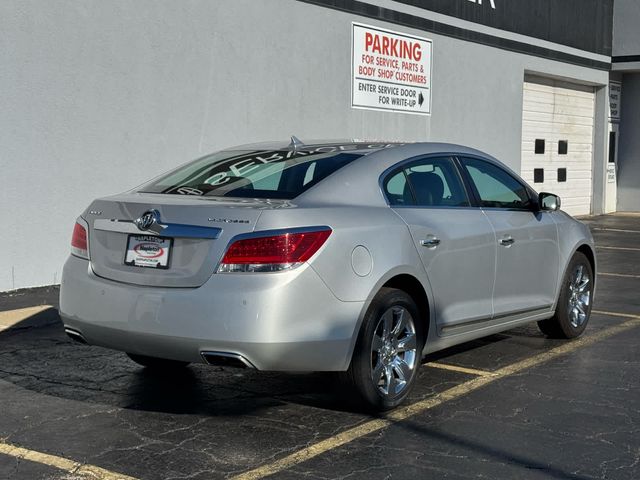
x,y
29,297
30,317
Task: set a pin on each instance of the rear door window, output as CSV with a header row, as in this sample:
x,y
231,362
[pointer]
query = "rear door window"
x,y
429,182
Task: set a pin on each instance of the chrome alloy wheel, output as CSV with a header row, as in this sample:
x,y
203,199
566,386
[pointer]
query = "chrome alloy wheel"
x,y
579,296
393,351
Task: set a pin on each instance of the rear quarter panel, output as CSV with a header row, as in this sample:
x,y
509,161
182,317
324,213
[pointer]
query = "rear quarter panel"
x,y
367,244
368,247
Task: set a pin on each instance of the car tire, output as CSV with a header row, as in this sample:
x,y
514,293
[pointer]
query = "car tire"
x,y
388,351
157,363
574,302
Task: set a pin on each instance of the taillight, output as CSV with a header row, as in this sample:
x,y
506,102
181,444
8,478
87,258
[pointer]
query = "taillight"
x,y
79,242
273,253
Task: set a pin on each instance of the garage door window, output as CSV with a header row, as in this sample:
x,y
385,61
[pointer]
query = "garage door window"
x,y
563,147
496,187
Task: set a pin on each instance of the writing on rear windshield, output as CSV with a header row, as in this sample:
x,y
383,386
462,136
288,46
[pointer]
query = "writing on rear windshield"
x,y
277,174
242,168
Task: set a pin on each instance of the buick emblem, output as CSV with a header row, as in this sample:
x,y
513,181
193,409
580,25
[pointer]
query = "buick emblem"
x,y
147,219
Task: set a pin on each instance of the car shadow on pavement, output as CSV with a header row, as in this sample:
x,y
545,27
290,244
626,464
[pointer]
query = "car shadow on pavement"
x,y
37,355
464,348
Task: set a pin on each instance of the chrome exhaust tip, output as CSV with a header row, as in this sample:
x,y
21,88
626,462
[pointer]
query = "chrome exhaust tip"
x,y
75,335
225,359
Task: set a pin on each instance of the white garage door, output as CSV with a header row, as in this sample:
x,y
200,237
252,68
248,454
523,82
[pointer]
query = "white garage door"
x,y
557,141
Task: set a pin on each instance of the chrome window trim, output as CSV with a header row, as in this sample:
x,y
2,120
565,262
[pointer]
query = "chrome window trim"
x,y
435,207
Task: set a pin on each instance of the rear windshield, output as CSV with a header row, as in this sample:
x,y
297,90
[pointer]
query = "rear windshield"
x,y
278,174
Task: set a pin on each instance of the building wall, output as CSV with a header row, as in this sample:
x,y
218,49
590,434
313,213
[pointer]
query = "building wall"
x,y
629,145
98,97
626,67
626,34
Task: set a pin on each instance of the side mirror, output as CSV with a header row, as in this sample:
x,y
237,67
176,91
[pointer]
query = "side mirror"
x,y
549,201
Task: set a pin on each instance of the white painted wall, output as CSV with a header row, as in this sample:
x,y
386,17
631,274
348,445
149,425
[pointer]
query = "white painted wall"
x,y
97,97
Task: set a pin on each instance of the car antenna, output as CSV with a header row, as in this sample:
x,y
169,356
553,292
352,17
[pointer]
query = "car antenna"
x,y
295,143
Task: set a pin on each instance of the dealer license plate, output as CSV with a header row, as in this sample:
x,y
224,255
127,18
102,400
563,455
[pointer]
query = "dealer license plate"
x,y
148,251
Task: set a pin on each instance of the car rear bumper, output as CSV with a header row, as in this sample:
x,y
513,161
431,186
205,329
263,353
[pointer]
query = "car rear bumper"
x,y
276,321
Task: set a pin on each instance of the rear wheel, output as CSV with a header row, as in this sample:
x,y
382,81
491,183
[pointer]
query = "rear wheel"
x,y
156,363
388,351
574,303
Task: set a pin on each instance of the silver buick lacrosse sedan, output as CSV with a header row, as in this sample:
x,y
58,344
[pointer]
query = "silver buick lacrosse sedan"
x,y
337,256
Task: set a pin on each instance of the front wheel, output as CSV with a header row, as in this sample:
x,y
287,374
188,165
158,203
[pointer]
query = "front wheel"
x,y
574,303
388,351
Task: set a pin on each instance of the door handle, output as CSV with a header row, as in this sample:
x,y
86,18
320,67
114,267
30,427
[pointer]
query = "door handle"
x,y
507,241
430,242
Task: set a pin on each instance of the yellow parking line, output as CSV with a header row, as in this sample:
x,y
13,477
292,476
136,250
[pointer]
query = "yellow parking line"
x,y
456,368
12,317
621,230
77,469
616,314
92,472
623,275
403,413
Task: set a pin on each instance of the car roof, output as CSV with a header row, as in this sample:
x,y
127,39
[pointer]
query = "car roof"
x,y
366,147
376,157
363,146
352,184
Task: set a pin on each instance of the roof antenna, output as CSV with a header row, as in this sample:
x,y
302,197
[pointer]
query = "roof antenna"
x,y
295,143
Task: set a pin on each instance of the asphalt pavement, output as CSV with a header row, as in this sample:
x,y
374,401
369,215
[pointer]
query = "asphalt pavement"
x,y
510,406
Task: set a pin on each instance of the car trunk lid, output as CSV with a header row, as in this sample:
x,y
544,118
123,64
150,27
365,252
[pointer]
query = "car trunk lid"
x,y
199,230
